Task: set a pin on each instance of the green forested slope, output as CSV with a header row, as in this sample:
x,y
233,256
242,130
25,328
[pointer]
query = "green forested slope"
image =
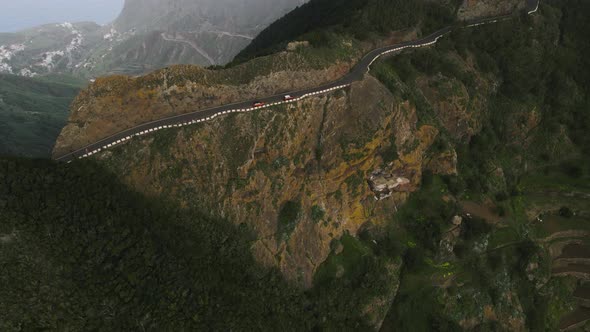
x,y
531,155
358,18
79,251
541,68
33,112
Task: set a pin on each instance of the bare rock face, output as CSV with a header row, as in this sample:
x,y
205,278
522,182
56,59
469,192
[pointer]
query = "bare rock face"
x,y
384,184
483,8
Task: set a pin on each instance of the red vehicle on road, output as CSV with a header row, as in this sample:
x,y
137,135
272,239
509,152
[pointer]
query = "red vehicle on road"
x,y
258,104
288,97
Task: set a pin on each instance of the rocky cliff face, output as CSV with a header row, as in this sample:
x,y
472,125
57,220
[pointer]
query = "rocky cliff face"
x,y
300,176
297,176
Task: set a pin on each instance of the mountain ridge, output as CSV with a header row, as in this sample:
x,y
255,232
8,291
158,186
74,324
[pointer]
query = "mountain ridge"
x,y
134,42
426,196
359,69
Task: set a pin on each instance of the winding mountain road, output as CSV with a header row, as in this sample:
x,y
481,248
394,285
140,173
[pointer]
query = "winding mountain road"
x,y
356,74
192,44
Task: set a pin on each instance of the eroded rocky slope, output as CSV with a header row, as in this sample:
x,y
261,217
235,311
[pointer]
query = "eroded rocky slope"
x,y
300,176
116,103
297,175
119,102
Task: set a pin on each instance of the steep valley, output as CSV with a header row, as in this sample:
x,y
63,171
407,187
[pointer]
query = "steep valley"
x,y
146,36
33,111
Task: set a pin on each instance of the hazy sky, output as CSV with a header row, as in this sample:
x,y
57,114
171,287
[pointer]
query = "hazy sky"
x,y
19,14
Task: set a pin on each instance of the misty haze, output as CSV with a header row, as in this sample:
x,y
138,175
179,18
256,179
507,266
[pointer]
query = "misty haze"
x,y
22,14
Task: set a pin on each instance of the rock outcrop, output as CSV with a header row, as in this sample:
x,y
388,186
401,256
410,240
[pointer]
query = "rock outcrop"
x,y
384,184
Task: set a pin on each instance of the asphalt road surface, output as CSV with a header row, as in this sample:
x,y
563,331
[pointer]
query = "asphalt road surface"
x,y
356,74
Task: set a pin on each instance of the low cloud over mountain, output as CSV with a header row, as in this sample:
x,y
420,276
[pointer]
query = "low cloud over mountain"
x,y
147,35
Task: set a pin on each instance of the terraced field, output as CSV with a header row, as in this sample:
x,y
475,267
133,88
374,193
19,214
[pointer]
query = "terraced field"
x,y
562,205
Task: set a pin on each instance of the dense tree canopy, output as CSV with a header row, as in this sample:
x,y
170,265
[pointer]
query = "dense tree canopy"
x,y
81,251
359,18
